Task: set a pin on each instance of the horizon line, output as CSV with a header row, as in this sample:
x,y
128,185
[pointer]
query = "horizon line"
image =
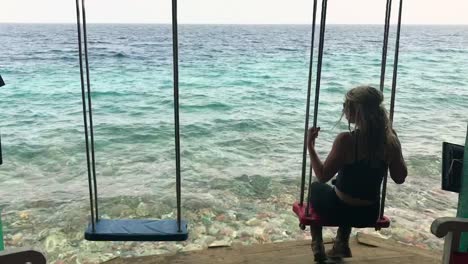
x,y
234,24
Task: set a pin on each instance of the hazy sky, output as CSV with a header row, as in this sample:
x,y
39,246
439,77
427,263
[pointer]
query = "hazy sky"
x,y
233,11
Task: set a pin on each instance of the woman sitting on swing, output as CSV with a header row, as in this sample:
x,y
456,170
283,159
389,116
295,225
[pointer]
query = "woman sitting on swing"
x,y
360,157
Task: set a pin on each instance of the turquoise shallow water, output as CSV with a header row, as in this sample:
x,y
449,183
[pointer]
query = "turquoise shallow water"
x,y
242,102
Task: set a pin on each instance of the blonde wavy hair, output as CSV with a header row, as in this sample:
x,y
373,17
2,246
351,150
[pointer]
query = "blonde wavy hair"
x,y
364,107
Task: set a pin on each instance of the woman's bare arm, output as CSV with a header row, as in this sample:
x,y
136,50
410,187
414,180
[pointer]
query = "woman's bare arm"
x,y
333,163
397,165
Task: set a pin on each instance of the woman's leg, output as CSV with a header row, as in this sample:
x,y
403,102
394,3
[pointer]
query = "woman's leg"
x,y
355,216
321,196
341,245
323,199
317,243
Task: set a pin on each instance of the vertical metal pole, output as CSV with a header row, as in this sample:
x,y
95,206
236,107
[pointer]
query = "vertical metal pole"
x,y
462,210
1,152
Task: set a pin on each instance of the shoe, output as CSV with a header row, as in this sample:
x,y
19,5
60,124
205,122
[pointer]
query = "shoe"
x,y
317,244
319,251
339,250
341,247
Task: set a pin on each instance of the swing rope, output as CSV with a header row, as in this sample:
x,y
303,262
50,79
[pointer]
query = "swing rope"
x,y
388,12
317,84
90,110
392,103
85,117
175,48
395,63
309,88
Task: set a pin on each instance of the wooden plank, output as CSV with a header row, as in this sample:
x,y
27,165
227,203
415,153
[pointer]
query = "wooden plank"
x,y
213,253
296,258
393,245
379,251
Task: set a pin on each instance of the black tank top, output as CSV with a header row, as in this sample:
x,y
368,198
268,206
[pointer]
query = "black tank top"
x,y
362,178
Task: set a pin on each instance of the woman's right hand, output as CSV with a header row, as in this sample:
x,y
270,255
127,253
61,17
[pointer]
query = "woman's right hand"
x,y
312,135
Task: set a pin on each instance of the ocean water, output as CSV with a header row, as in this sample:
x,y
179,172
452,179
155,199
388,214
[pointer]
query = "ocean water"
x,y
242,107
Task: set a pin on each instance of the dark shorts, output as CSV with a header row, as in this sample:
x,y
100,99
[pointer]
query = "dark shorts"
x,y
329,206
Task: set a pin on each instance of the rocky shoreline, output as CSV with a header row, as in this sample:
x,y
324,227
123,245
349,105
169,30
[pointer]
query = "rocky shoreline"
x,y
218,218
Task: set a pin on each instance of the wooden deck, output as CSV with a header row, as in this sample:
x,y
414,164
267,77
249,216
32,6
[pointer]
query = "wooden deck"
x,y
366,249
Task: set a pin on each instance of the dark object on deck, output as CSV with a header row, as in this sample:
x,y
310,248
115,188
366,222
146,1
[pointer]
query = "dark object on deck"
x,y
20,256
136,230
126,230
452,165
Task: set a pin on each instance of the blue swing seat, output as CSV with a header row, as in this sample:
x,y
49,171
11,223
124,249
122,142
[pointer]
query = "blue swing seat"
x,y
137,230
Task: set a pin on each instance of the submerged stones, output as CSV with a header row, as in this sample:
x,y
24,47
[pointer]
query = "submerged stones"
x,y
55,241
24,215
200,201
216,219
253,222
119,210
252,186
16,240
143,209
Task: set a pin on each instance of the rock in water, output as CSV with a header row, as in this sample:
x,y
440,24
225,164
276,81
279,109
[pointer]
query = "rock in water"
x,y
142,210
221,243
55,241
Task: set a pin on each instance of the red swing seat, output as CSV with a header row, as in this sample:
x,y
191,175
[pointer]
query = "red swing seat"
x,y
316,219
